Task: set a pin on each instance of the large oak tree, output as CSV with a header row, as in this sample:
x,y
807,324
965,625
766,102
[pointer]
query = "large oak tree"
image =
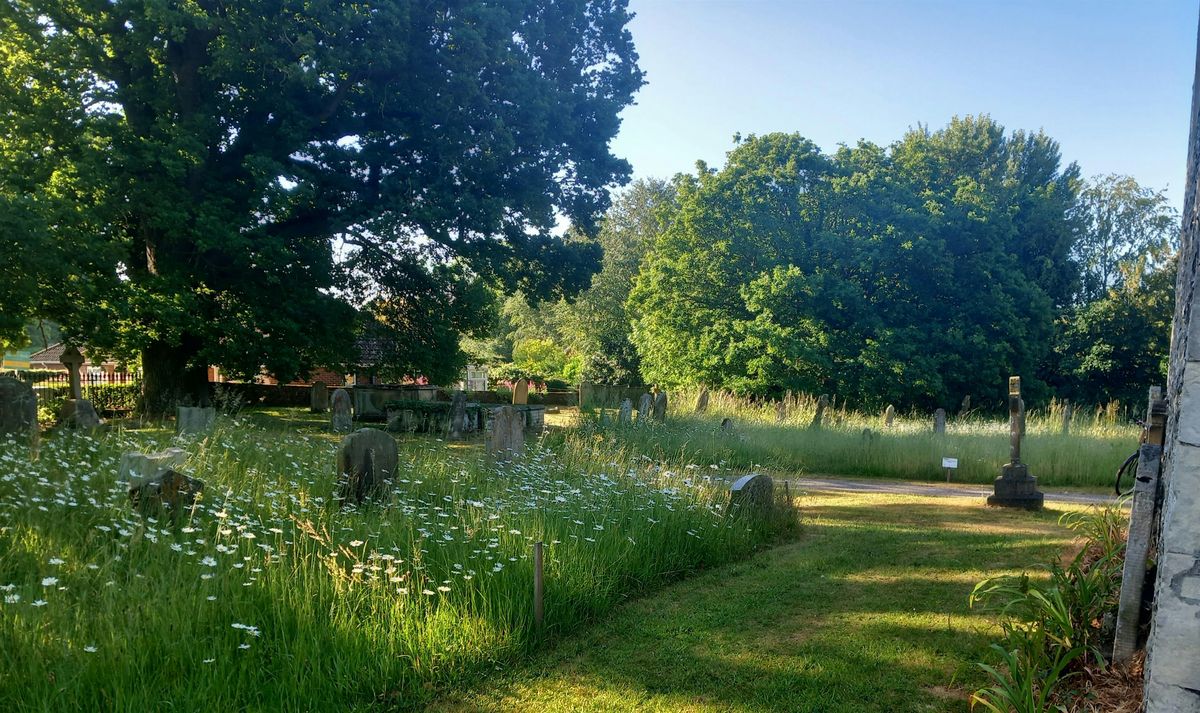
x,y
213,182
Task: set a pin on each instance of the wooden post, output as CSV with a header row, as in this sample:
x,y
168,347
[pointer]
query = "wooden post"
x,y
538,605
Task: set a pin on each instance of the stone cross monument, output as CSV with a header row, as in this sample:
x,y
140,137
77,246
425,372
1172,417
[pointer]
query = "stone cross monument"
x,y
1015,488
72,359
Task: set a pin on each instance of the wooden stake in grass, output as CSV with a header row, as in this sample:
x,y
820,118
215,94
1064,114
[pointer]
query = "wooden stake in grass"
x,y
538,607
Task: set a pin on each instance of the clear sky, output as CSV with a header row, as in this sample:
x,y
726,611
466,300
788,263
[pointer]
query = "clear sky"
x,y
1111,81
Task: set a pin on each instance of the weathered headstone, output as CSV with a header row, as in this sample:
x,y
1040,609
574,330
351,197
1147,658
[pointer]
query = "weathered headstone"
x,y
727,426
458,414
366,462
644,405
18,406
819,416
140,467
507,440
660,407
625,413
318,395
1068,414
781,411
939,421
521,392
754,492
194,419
702,401
966,405
341,419
79,413
889,415
169,491
869,436
1015,487
73,360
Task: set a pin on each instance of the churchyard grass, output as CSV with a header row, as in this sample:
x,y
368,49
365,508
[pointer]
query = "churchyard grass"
x,y
868,611
1088,456
271,596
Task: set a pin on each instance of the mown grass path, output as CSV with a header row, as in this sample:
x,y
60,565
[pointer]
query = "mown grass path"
x,y
866,612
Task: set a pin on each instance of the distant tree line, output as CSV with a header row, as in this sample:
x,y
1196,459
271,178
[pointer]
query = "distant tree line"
x,y
913,274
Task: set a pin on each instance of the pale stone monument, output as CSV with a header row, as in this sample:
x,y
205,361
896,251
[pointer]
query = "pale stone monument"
x,y
1068,415
781,411
458,414
79,413
644,405
73,360
140,467
702,401
625,413
659,411
366,462
819,416
194,419
521,392
318,397
939,421
341,420
754,492
889,416
18,406
1015,488
507,440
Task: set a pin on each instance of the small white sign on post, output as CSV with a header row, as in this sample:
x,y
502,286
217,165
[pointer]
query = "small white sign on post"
x,y
949,464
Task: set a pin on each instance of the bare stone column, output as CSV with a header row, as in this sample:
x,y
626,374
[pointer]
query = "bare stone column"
x,y
1173,651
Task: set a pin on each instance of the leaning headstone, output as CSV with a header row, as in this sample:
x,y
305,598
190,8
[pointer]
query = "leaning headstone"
x,y
341,419
1015,488
644,405
140,467
889,416
660,407
1068,413
458,414
754,492
73,360
521,392
939,421
366,462
79,413
318,395
819,416
702,401
625,413
18,406
194,419
507,440
169,491
726,426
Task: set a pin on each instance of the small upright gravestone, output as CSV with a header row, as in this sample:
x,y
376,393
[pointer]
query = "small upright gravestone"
x,y
18,406
458,414
660,407
194,419
939,421
781,411
507,441
1015,488
339,406
644,405
889,416
702,401
726,426
1068,413
521,392
966,406
754,492
625,413
819,416
366,461
318,395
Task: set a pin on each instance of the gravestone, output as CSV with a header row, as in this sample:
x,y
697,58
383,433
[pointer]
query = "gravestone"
x,y
194,419
1015,488
819,416
318,395
644,405
73,360
507,440
781,411
1068,414
521,393
18,406
458,414
366,462
79,413
341,419
869,436
140,467
660,407
754,492
966,405
169,491
625,413
939,421
702,401
889,415
727,425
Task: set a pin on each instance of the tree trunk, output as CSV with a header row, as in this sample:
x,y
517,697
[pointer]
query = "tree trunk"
x,y
171,376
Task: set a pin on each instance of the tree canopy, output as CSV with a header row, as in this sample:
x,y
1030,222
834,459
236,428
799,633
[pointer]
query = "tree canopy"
x,y
173,174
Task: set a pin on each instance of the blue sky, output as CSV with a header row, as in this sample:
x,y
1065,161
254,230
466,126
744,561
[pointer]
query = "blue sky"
x,y
1111,81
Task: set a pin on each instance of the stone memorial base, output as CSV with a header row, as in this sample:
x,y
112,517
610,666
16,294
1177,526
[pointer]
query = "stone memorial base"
x,y
1016,488
79,413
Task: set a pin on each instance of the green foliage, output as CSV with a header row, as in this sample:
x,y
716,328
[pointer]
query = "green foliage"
x,y
106,398
542,359
913,275
172,176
